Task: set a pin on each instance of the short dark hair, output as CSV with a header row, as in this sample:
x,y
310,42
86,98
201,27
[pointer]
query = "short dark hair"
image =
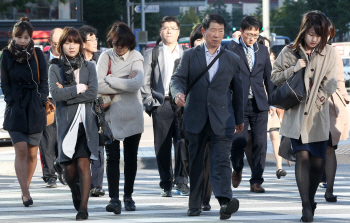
x,y
169,19
250,22
196,34
261,40
125,37
86,30
23,25
212,17
331,29
69,34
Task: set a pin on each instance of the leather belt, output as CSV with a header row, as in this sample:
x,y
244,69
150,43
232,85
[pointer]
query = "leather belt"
x,y
166,98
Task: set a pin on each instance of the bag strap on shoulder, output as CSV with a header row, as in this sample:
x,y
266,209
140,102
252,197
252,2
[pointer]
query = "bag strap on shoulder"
x,y
155,54
109,66
37,65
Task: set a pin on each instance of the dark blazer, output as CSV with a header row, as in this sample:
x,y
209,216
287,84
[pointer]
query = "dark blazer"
x,y
25,98
67,102
220,100
259,78
47,57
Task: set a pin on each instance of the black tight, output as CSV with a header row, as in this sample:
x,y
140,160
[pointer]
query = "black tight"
x,y
79,169
308,173
330,169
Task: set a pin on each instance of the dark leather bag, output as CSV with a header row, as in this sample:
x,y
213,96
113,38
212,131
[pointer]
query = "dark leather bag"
x,y
105,134
286,150
291,92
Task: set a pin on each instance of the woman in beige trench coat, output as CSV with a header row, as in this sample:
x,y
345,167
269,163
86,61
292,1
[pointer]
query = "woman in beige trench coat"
x,y
339,125
307,124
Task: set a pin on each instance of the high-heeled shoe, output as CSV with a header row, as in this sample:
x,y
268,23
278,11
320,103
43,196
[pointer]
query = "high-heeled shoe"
x,y
82,216
280,173
330,199
306,215
28,202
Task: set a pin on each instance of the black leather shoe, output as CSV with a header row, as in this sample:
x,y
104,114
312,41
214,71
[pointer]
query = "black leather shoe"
x,y
129,204
206,207
114,206
82,216
330,199
97,192
228,209
194,212
166,193
61,173
280,173
28,202
51,183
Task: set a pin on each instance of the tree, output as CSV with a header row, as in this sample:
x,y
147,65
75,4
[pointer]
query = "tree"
x,y
6,4
219,7
188,20
152,24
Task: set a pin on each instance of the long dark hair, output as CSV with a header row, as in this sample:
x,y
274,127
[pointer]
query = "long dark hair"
x,y
23,25
319,22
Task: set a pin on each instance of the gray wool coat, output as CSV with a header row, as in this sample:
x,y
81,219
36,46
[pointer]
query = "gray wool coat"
x,y
67,102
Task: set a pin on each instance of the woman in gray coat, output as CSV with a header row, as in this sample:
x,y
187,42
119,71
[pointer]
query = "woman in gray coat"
x,y
73,86
307,124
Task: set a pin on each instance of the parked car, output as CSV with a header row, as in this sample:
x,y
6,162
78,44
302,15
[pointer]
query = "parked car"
x,y
4,135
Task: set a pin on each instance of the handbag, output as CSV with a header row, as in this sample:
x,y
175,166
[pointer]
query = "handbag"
x,y
105,134
286,150
50,107
106,99
291,92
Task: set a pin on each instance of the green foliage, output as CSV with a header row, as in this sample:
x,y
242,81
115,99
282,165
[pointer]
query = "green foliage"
x,y
219,7
152,24
6,4
188,20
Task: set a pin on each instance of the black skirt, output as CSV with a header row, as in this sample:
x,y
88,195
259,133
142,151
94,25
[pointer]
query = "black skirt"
x,y
315,148
81,148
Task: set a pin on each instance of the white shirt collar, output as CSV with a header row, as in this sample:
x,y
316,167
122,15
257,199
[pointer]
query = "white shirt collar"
x,y
207,51
176,49
51,55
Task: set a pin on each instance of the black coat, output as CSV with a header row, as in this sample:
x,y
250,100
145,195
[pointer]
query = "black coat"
x,y
25,98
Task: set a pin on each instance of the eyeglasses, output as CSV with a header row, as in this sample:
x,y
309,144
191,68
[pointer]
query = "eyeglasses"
x,y
249,35
171,28
92,40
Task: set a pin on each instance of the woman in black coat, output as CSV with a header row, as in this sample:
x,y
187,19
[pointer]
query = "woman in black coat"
x,y
25,97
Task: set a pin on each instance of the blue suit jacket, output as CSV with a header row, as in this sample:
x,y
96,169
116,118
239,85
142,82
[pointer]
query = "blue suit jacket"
x,y
259,78
220,100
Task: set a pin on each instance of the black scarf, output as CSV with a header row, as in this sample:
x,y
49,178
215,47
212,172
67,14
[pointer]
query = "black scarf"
x,y
69,66
19,52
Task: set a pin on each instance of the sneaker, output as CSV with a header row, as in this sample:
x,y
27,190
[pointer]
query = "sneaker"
x,y
166,193
114,206
129,204
322,185
97,192
182,189
51,183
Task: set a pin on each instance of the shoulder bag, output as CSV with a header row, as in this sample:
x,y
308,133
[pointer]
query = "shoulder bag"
x,y
105,134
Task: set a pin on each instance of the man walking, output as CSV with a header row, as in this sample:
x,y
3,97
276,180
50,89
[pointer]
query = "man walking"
x,y
155,92
213,112
255,68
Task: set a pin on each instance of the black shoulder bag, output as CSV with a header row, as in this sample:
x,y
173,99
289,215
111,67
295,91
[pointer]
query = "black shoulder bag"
x,y
291,92
105,134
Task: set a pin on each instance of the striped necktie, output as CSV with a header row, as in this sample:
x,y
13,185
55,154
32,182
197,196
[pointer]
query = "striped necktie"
x,y
249,59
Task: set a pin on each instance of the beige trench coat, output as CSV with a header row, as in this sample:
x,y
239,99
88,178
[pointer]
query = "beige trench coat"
x,y
338,114
309,120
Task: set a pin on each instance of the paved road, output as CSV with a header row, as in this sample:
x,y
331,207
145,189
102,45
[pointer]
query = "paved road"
x,y
280,203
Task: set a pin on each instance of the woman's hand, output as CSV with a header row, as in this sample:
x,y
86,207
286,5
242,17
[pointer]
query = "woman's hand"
x,y
132,74
86,87
59,85
300,64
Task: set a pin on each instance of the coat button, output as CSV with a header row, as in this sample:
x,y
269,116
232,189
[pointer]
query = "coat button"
x,y
305,113
312,70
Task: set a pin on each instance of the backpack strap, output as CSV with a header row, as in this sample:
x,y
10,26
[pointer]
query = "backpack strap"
x,y
37,65
155,54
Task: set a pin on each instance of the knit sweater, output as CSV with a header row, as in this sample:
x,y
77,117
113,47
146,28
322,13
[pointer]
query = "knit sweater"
x,y
125,115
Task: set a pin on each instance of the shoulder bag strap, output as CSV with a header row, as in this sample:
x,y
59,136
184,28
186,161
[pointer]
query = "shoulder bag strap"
x,y
155,54
109,66
204,71
37,65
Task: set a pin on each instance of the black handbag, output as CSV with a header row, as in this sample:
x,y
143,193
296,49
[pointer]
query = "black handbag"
x,y
291,92
286,150
105,134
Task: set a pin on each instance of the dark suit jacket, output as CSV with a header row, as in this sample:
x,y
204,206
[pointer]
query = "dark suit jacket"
x,y
221,99
259,78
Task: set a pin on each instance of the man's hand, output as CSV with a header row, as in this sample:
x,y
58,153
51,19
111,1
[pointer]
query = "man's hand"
x,y
132,74
180,100
236,34
239,128
272,111
59,85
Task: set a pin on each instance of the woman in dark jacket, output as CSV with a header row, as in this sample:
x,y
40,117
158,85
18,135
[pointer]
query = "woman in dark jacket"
x,y
73,86
25,97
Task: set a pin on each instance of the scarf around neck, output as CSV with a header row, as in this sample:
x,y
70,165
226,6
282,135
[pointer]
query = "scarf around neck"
x,y
69,66
21,54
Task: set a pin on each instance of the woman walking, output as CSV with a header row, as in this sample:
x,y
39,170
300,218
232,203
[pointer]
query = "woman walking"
x,y
120,75
73,86
307,123
24,84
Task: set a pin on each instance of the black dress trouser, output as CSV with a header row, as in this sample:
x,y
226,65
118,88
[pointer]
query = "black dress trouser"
x,y
165,130
131,146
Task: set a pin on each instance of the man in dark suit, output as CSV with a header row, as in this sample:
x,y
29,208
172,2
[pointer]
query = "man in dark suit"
x,y
88,34
255,68
213,112
48,142
155,94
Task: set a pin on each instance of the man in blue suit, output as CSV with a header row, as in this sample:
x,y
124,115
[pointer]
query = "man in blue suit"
x,y
213,112
255,68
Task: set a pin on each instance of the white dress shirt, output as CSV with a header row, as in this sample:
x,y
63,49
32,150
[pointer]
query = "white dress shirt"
x,y
209,57
169,59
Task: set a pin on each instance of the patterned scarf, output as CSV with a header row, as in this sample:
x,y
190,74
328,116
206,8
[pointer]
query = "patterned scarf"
x,y
69,66
19,52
